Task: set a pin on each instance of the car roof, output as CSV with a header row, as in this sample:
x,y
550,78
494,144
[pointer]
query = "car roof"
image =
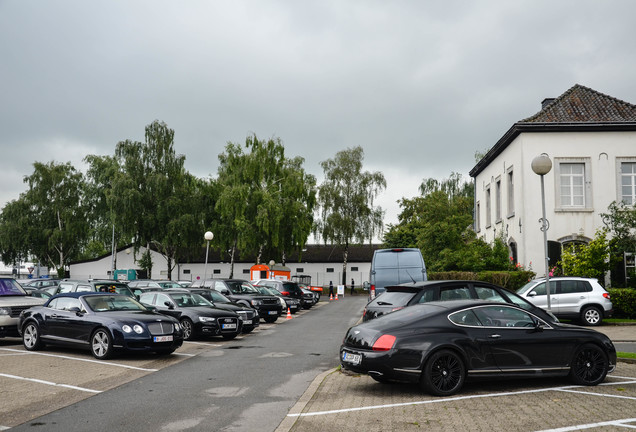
x,y
428,283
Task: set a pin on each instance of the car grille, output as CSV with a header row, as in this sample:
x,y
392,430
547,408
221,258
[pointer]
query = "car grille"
x,y
272,301
17,310
246,315
160,328
229,321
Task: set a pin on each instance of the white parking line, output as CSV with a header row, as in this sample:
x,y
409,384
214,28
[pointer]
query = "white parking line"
x,y
202,343
50,383
80,359
620,423
432,401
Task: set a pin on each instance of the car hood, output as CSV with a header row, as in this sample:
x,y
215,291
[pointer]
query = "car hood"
x,y
21,301
139,316
209,311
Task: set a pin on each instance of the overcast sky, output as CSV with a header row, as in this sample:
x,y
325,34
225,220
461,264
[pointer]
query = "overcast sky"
x,y
420,85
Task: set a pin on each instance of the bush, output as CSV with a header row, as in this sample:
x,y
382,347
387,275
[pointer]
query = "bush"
x,y
624,302
511,280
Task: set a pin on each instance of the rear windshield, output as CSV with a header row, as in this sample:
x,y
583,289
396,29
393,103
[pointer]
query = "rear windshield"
x,y
392,298
403,258
9,287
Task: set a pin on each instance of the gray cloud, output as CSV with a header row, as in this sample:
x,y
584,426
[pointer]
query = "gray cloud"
x,y
421,86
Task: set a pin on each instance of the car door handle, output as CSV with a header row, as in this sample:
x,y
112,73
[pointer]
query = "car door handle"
x,y
495,336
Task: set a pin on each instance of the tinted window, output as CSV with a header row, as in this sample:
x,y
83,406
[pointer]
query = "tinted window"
x,y
497,316
488,293
573,286
10,287
465,317
540,289
454,293
393,298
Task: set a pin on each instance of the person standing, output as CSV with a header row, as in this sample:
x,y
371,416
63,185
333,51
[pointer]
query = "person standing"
x,y
330,288
352,285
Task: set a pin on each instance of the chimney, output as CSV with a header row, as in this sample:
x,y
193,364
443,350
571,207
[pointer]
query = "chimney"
x,y
546,102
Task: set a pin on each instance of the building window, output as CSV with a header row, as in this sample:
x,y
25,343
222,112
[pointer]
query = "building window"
x,y
498,200
246,271
354,268
186,271
573,184
477,218
217,271
300,270
330,270
511,192
488,206
628,183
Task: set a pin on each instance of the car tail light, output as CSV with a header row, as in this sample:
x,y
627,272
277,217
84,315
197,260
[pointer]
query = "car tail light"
x,y
285,293
397,250
606,295
372,291
364,312
384,343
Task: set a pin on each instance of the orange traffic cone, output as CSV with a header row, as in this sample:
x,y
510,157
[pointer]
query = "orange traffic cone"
x,y
331,297
289,314
336,296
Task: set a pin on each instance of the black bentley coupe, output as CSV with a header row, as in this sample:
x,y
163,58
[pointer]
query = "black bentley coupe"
x,y
101,322
440,344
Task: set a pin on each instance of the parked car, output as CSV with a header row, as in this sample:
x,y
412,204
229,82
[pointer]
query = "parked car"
x,y
248,314
40,283
243,292
305,282
13,300
80,285
198,317
440,344
283,300
293,304
309,298
138,291
184,283
400,296
41,293
582,299
393,267
102,322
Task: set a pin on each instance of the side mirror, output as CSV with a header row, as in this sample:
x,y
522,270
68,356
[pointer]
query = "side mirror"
x,y
532,294
169,305
76,310
365,285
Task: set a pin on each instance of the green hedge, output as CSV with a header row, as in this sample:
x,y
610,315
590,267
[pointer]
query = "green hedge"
x,y
511,280
624,302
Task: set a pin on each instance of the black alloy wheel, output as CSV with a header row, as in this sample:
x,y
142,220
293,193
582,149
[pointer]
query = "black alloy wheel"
x,y
443,374
31,337
589,366
101,344
188,328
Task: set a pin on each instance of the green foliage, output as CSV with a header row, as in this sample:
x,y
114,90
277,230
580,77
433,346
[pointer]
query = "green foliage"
x,y
145,262
587,260
624,302
511,280
347,212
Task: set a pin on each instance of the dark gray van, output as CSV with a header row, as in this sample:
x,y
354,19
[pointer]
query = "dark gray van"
x,y
393,267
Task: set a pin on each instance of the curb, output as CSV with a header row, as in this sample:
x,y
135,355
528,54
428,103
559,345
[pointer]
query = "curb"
x,y
288,422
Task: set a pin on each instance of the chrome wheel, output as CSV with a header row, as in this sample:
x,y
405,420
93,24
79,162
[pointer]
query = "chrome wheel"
x,y
591,316
589,366
31,337
187,326
101,344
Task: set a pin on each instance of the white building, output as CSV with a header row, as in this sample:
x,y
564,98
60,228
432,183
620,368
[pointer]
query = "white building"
x,y
591,140
322,262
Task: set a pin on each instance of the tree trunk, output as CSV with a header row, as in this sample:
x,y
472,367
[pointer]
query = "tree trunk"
x,y
232,250
345,255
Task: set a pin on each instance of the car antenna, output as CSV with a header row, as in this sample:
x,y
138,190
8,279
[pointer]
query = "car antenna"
x,y
412,280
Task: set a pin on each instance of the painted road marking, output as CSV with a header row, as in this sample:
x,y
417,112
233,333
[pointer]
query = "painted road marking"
x,y
458,398
81,359
38,381
620,423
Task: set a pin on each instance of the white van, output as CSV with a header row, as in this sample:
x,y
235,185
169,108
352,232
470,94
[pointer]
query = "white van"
x,y
394,266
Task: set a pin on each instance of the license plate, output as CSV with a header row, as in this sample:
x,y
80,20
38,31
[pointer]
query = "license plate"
x,y
272,313
247,322
163,338
354,359
228,326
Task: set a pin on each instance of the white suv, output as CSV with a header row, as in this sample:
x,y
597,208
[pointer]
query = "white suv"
x,y
582,299
13,300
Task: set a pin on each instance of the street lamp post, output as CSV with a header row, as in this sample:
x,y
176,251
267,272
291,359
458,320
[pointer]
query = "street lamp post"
x,y
208,237
541,165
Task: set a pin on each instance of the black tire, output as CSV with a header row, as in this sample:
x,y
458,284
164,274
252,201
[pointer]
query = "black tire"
x,y
101,344
188,329
591,316
589,365
270,319
229,336
31,337
443,374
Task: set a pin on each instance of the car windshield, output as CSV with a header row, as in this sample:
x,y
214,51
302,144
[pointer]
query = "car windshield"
x,y
108,303
189,300
114,288
165,285
9,287
526,287
238,287
217,296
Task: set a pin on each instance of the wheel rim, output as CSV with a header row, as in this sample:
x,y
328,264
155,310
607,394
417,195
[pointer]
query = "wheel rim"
x,y
446,373
30,336
100,343
589,365
187,329
592,316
